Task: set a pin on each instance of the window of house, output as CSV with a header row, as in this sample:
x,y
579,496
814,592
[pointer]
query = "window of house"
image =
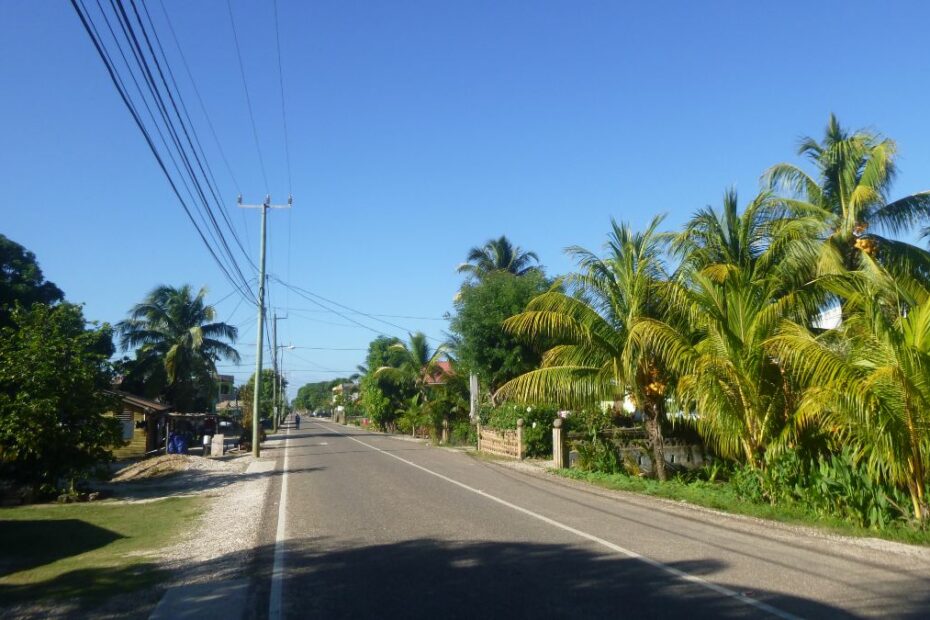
x,y
128,426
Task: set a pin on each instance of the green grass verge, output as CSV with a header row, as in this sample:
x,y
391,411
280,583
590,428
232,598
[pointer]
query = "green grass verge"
x,y
721,496
87,552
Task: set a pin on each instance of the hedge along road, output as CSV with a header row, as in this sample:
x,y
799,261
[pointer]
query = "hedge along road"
x,y
375,526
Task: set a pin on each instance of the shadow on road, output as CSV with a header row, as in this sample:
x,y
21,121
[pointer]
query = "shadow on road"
x,y
426,578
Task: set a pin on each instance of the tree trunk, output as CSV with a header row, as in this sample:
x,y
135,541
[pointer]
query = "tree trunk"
x,y
654,429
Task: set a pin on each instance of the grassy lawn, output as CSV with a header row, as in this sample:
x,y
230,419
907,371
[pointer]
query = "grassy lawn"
x,y
86,551
721,496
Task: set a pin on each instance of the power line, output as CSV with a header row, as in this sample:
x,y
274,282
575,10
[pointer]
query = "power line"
x,y
374,314
203,109
313,298
229,267
138,54
198,157
248,100
287,150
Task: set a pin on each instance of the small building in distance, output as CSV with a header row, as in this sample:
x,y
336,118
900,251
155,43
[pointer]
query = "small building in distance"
x,y
225,387
140,419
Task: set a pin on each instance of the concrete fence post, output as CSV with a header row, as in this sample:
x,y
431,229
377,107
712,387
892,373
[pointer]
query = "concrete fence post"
x,y
445,431
521,452
558,450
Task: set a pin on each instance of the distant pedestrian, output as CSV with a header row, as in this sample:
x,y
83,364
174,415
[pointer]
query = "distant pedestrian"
x,y
297,420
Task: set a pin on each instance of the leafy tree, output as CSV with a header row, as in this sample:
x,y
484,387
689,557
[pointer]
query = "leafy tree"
x,y
265,404
592,357
21,280
178,344
319,395
481,344
54,377
384,396
382,351
376,402
499,255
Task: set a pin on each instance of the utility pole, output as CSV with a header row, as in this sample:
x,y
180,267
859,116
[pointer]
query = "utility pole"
x,y
257,386
274,387
277,371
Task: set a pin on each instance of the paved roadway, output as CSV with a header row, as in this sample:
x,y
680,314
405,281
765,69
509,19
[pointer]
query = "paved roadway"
x,y
379,527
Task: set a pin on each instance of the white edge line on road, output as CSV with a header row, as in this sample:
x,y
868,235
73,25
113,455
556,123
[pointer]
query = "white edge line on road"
x,y
277,572
725,591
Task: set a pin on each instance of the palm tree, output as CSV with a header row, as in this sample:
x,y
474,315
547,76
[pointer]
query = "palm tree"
x,y
735,286
868,379
418,362
178,343
591,357
849,196
499,255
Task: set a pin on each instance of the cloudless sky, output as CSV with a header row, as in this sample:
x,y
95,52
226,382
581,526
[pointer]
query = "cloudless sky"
x,y
420,129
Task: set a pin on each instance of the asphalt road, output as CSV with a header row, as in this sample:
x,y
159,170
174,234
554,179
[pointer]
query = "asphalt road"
x,y
378,527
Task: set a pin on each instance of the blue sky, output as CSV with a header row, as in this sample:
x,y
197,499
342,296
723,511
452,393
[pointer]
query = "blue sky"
x,y
420,129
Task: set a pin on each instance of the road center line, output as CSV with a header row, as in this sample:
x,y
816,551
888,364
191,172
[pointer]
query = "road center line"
x,y
277,572
723,590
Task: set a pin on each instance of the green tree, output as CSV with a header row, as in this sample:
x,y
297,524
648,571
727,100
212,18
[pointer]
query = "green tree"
x,y
178,342
499,255
415,367
54,377
265,404
481,344
384,395
591,356
318,395
416,363
867,380
737,283
849,195
21,280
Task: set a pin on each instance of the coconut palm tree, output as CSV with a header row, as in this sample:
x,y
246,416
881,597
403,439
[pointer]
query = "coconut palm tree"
x,y
499,255
418,362
868,379
849,195
591,357
417,365
178,343
735,286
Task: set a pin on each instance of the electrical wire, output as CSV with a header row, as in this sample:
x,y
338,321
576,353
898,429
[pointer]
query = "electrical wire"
x,y
229,267
248,99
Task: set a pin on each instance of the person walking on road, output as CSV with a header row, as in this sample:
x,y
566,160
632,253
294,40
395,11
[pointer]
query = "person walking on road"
x,y
297,420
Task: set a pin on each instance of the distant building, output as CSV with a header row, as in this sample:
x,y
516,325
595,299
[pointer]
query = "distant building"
x,y
140,419
345,392
440,374
225,387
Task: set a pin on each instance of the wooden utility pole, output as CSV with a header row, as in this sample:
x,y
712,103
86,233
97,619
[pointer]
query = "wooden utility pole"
x,y
257,385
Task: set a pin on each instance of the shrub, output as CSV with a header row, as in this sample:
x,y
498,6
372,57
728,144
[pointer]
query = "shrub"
x,y
537,425
832,485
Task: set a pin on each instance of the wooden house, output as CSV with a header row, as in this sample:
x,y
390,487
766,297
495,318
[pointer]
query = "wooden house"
x,y
140,418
